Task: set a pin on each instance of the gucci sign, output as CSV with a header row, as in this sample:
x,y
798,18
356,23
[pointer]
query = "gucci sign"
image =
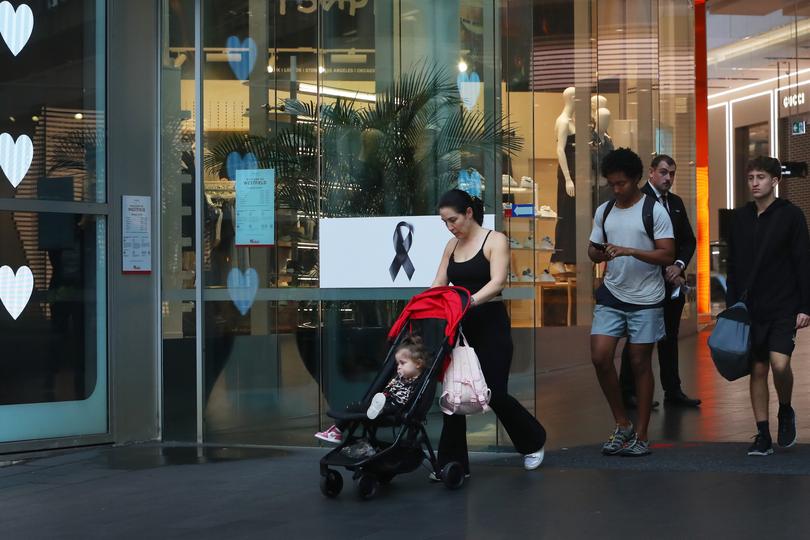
x,y
793,100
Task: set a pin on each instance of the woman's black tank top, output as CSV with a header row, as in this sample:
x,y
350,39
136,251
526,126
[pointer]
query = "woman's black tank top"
x,y
472,274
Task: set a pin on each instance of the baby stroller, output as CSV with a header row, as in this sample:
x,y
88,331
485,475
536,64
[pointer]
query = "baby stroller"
x,y
434,315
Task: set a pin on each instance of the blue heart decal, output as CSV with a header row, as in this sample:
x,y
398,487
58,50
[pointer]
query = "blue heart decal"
x,y
469,86
237,162
242,288
247,59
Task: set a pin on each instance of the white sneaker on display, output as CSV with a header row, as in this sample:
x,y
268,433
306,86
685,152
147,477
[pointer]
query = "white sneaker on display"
x,y
513,277
507,180
529,242
527,275
526,182
514,244
545,277
545,211
546,244
532,461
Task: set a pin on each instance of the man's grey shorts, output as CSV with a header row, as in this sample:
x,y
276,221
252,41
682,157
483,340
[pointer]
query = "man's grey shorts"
x,y
642,326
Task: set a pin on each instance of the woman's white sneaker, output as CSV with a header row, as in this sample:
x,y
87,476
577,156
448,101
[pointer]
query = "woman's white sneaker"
x,y
532,461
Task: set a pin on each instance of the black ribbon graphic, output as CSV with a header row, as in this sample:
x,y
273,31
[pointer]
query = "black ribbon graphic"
x,y
402,244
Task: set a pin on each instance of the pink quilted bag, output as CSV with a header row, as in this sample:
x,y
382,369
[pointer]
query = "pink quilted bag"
x,y
464,389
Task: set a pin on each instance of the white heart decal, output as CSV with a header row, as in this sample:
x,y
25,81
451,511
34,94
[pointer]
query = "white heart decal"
x,y
15,158
242,288
15,290
16,26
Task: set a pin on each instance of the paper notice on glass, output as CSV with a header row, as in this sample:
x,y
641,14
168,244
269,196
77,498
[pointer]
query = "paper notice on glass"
x,y
255,207
136,234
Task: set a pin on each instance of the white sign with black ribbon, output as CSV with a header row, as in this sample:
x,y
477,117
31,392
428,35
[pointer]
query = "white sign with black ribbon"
x,y
400,251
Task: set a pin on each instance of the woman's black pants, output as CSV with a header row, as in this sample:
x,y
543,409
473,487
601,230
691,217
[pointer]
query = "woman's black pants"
x,y
488,331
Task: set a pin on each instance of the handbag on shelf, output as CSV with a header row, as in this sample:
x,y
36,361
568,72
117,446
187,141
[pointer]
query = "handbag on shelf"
x,y
464,390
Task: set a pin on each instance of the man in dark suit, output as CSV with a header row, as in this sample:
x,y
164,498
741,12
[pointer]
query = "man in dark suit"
x,y
662,175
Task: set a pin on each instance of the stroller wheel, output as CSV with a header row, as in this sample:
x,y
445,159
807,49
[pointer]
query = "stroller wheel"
x,y
453,475
386,478
366,485
331,483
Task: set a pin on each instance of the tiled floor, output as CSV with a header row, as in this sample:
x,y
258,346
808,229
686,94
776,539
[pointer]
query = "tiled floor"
x,y
571,406
164,492
697,484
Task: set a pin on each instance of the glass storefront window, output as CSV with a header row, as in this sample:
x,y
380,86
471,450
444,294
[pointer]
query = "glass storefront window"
x,y
371,110
53,220
51,114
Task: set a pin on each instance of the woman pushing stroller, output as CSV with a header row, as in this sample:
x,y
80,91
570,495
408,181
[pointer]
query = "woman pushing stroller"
x,y
478,259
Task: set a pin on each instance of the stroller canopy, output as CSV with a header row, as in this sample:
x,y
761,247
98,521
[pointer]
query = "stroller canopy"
x,y
446,303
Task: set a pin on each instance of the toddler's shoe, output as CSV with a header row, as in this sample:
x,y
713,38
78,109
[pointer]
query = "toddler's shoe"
x,y
331,435
377,404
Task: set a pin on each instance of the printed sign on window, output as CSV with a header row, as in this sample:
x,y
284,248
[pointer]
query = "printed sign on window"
x,y
255,207
401,251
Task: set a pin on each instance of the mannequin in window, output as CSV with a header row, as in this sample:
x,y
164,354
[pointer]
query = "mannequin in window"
x,y
598,101
601,145
565,231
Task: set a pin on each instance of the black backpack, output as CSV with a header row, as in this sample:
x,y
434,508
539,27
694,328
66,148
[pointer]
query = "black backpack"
x,y
646,216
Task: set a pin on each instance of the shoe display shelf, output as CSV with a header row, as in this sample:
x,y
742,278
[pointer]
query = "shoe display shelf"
x,y
530,258
296,250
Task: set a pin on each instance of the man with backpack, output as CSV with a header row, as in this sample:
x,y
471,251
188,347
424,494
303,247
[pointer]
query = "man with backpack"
x,y
659,184
769,270
633,234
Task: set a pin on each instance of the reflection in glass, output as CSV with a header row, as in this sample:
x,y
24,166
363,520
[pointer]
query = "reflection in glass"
x,y
50,349
261,373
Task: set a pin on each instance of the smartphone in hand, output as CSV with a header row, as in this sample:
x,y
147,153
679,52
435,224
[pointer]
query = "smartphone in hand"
x,y
599,246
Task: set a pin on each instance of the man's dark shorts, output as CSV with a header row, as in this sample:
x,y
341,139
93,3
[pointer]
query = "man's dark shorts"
x,y
772,336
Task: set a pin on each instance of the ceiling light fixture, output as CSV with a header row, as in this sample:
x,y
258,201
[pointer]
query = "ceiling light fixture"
x,y
307,88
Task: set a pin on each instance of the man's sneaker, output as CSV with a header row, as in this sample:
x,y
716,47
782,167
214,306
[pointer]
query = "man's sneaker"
x,y
533,460
526,182
618,440
635,448
377,404
527,275
514,244
761,446
545,277
331,435
787,429
546,244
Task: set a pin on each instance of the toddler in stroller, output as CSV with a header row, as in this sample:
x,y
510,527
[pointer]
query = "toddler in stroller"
x,y
411,359
400,398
